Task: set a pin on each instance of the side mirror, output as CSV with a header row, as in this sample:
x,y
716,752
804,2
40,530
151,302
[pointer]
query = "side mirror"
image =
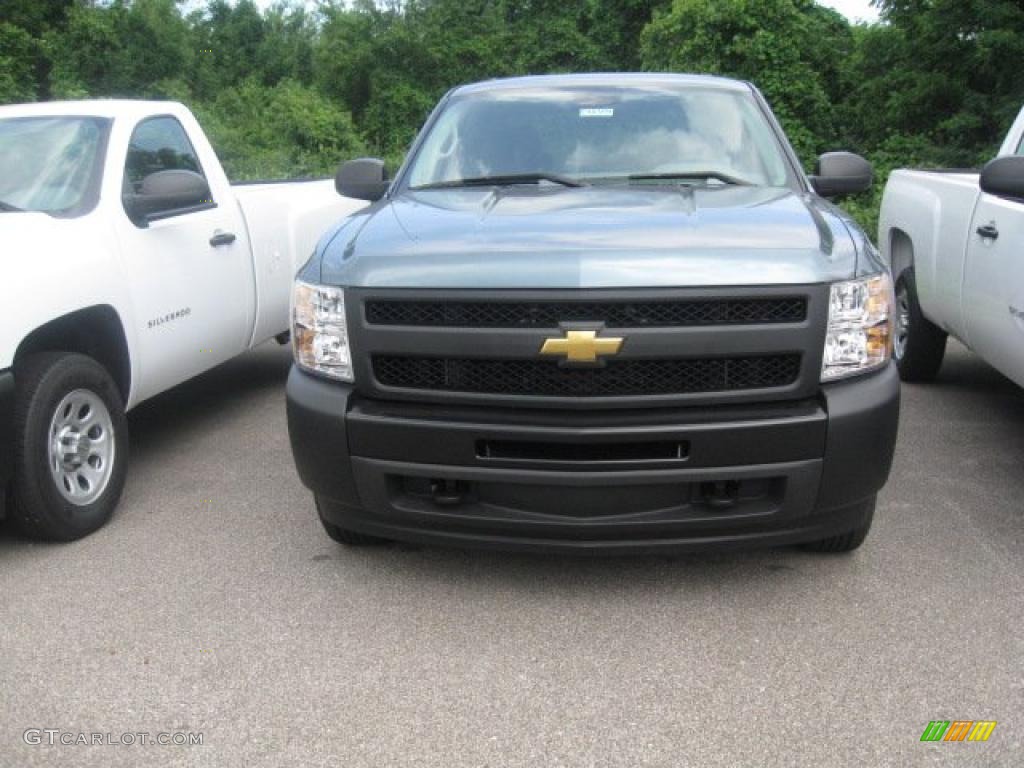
x,y
363,179
1004,177
166,193
842,173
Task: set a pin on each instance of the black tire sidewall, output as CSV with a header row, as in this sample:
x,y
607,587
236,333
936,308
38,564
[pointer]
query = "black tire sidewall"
x,y
926,342
40,507
909,284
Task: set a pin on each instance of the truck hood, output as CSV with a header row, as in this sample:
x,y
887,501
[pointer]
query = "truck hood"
x,y
591,237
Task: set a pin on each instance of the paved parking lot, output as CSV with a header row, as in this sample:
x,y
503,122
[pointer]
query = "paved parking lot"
x,y
214,603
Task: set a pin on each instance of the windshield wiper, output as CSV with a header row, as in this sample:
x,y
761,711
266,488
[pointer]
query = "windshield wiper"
x,y
717,175
9,208
497,181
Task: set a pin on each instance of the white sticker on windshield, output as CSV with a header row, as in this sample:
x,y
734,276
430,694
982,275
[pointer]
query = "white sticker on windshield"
x,y
596,112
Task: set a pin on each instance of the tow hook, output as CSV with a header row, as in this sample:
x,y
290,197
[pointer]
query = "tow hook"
x,y
720,494
448,493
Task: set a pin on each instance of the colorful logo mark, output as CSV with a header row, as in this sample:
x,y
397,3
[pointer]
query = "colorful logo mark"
x,y
958,730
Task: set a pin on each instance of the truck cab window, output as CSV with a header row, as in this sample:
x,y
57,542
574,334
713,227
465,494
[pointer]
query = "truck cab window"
x,y
158,144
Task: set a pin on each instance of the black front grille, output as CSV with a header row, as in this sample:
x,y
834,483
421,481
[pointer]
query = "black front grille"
x,y
614,314
617,378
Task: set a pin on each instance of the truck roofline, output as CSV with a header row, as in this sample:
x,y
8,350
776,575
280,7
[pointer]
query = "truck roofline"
x,y
604,78
109,108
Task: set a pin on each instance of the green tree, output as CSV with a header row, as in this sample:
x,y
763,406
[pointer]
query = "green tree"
x,y
17,64
121,49
286,51
791,49
285,130
24,65
940,70
228,39
615,26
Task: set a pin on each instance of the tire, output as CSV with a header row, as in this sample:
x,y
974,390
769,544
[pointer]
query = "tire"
x,y
848,540
63,495
919,345
346,536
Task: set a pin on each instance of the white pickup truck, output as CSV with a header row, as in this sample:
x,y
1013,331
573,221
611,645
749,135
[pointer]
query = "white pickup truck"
x,y
129,264
955,243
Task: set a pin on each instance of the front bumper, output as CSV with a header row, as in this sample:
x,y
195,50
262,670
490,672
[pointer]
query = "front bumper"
x,y
6,434
642,480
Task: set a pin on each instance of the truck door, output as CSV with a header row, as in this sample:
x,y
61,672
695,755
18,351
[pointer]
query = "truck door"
x,y
994,283
189,267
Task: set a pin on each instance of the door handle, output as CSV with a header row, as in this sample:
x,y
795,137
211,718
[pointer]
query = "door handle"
x,y
222,238
989,232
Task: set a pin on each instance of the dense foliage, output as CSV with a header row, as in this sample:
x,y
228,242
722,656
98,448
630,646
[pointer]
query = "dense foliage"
x,y
293,89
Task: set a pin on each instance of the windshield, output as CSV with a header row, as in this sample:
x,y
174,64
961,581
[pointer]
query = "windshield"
x,y
601,134
51,164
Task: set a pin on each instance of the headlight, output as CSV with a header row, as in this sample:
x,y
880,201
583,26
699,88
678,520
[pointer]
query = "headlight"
x,y
319,332
859,337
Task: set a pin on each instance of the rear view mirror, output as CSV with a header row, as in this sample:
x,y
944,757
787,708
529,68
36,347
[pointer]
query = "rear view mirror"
x,y
363,179
1004,177
166,193
842,173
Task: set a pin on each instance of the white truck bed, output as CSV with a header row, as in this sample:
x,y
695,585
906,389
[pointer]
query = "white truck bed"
x,y
962,246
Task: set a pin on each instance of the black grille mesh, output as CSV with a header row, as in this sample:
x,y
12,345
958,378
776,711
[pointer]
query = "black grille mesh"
x,y
614,314
617,378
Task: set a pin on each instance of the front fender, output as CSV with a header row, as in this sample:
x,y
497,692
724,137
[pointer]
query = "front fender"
x,y
54,267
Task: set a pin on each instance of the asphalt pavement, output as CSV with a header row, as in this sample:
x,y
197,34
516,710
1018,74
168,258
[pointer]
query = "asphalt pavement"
x,y
214,604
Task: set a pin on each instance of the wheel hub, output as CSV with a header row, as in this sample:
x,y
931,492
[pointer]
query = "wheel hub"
x,y
81,447
72,448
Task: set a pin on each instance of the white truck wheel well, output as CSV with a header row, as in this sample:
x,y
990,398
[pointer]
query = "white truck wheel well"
x,y
94,331
901,252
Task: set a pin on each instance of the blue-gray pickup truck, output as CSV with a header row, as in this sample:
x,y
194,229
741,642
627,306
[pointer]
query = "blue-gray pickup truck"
x,y
597,313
